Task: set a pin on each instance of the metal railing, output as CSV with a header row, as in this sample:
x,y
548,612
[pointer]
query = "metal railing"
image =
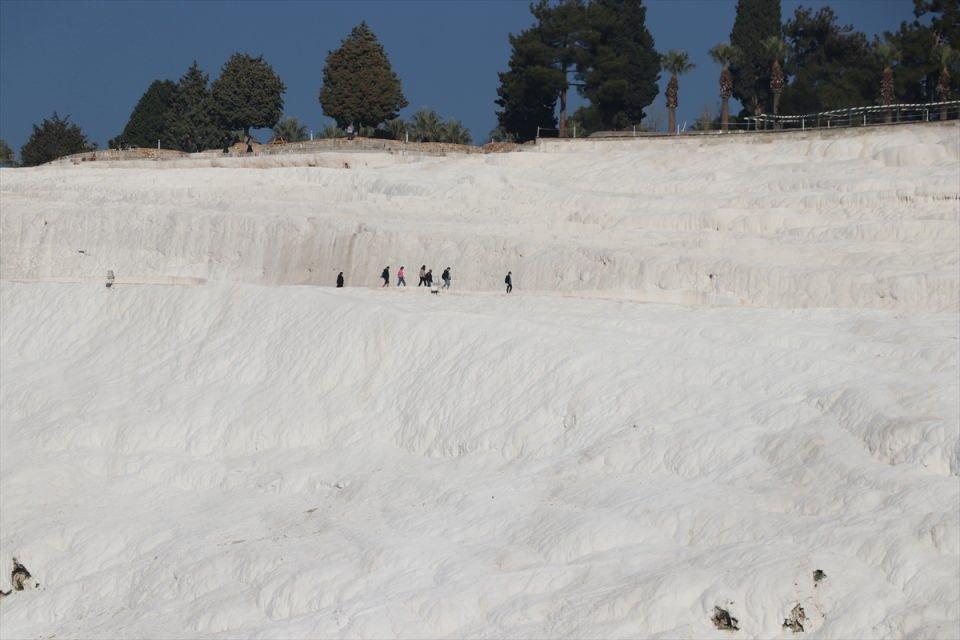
x,y
860,116
850,117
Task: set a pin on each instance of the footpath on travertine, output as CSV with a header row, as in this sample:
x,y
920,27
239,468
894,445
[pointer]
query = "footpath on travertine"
x,y
858,218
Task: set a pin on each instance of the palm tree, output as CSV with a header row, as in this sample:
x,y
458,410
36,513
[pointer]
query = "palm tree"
x,y
289,130
888,55
426,126
676,63
946,56
455,133
724,54
776,50
397,128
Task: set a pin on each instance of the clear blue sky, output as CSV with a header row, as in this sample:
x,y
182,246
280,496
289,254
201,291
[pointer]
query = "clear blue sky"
x,y
93,60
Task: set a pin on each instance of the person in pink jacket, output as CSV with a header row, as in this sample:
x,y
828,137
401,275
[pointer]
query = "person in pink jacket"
x,y
401,277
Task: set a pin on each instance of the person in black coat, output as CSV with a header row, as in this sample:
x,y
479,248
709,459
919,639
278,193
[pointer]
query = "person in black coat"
x,y
429,277
340,280
386,276
509,282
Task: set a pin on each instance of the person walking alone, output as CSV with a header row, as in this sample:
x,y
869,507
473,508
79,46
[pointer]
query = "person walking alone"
x,y
401,277
509,281
445,276
423,276
386,276
340,280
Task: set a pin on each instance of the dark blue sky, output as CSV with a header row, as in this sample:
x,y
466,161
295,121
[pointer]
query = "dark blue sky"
x,y
93,60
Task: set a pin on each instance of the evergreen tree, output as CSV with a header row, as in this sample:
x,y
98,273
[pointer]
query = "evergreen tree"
x,y
6,153
248,94
54,138
148,122
831,65
621,67
529,89
290,130
193,125
359,84
560,28
919,42
756,21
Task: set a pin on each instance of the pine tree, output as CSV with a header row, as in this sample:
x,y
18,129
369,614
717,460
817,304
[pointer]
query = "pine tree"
x,y
621,65
148,122
359,84
756,21
6,153
529,89
561,28
193,125
248,94
832,66
919,42
54,138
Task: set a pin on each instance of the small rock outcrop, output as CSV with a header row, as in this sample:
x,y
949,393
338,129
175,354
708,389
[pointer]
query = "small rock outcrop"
x,y
723,620
795,620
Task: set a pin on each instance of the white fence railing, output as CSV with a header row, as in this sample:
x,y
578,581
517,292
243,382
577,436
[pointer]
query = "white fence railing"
x,y
861,116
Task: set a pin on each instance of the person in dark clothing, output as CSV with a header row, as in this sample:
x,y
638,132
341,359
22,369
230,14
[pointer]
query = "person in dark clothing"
x,y
429,277
340,280
445,276
509,281
386,276
423,276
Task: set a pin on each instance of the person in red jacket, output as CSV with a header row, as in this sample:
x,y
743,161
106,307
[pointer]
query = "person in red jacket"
x,y
401,277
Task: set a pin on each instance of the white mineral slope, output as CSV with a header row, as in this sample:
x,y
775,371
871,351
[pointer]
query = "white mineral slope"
x,y
853,218
237,460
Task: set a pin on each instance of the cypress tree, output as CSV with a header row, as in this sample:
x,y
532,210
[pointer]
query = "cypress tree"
x,y
359,84
756,21
248,94
192,117
54,138
149,120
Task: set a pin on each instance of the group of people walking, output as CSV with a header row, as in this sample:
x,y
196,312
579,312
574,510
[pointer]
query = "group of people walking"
x,y
426,278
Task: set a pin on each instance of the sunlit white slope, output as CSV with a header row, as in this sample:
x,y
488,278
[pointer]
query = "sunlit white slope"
x,y
236,460
850,218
